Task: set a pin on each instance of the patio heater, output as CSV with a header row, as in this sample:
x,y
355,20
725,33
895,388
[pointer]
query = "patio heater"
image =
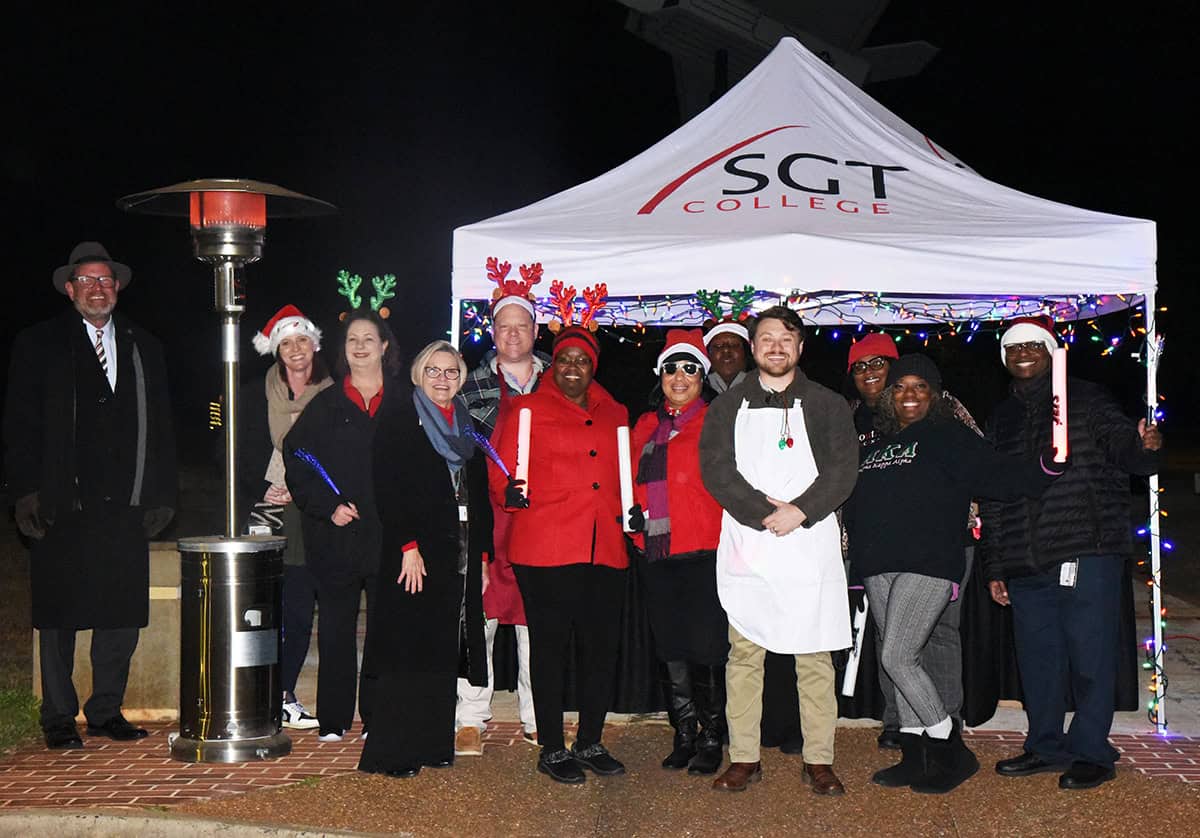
x,y
230,585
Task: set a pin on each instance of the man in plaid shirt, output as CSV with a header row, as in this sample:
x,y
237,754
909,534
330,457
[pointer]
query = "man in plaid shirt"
x,y
511,369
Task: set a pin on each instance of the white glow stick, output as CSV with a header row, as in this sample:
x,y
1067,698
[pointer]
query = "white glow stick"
x,y
625,469
860,626
524,420
1059,389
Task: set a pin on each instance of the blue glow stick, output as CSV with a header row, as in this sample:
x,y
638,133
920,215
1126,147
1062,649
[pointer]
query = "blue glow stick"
x,y
316,466
486,447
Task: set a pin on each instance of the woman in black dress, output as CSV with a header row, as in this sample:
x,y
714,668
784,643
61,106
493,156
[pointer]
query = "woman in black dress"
x,y
431,490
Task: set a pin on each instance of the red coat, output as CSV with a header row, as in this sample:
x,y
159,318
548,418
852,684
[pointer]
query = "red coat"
x,y
502,599
695,516
573,478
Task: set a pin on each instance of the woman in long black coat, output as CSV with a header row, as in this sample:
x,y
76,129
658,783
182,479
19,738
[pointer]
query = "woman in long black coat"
x,y
341,528
427,626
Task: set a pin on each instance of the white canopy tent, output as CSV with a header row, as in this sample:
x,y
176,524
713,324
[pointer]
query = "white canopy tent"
x,y
799,184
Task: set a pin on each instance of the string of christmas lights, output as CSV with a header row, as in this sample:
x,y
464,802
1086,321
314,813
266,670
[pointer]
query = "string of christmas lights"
x,y
849,315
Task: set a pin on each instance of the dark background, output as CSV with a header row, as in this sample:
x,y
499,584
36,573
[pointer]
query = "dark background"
x,y
418,120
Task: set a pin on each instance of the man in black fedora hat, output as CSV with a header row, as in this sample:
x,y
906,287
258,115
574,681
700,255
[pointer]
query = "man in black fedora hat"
x,y
89,456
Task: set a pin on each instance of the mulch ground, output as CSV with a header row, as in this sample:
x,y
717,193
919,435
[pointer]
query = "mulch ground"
x,y
501,794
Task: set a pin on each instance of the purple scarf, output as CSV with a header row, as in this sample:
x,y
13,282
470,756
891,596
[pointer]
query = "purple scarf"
x,y
652,473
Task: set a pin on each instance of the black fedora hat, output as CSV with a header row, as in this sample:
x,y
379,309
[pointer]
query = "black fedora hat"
x,y
83,253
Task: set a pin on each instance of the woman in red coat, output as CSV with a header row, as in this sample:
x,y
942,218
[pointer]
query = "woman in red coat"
x,y
567,549
682,525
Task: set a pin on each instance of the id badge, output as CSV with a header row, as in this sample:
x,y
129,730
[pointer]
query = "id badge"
x,y
1067,573
462,514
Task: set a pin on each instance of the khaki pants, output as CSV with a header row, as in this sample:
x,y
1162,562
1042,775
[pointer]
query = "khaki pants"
x,y
744,693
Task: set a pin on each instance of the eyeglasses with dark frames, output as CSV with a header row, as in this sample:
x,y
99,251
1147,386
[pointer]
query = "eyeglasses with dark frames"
x,y
1030,346
874,364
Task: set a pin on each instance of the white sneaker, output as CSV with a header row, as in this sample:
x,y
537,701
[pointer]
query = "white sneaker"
x,y
331,736
297,718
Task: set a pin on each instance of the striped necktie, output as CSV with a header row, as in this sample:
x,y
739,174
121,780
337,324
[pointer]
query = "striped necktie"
x,y
100,351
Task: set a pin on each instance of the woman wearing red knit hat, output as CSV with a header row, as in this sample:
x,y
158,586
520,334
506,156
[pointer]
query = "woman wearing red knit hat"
x,y
681,525
566,545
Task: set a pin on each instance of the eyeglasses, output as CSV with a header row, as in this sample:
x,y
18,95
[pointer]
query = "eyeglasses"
x,y
450,374
689,367
89,281
1032,347
875,364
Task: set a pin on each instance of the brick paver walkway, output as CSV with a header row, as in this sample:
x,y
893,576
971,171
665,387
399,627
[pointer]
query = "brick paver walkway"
x,y
114,774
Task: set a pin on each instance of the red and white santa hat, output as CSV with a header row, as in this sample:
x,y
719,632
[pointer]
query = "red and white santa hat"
x,y
287,322
683,342
1029,330
723,326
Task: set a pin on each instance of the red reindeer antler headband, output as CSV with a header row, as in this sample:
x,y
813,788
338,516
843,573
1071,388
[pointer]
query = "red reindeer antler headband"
x,y
509,291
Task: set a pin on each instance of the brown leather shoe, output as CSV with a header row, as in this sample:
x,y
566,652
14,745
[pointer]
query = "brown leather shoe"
x,y
738,776
823,780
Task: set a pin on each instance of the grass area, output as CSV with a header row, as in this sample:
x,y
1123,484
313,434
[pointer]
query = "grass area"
x,y
18,707
18,718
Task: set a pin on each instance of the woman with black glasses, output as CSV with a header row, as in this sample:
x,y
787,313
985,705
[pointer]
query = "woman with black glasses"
x,y
681,528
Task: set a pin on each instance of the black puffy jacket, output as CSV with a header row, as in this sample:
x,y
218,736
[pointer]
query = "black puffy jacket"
x,y
1086,511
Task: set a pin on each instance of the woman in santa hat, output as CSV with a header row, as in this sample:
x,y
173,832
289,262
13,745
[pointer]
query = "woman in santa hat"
x,y
680,528
270,407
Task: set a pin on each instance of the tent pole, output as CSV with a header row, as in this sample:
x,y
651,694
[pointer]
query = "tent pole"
x,y
1160,715
455,322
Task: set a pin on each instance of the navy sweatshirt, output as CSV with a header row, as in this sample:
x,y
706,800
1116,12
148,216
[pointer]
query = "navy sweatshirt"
x,y
908,508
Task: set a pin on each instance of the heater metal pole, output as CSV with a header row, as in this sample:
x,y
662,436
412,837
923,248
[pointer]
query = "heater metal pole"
x,y
230,310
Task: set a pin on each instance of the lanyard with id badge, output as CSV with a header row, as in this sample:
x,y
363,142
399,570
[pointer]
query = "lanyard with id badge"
x,y
1068,572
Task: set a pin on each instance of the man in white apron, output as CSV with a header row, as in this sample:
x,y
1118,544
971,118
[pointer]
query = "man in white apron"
x,y
780,454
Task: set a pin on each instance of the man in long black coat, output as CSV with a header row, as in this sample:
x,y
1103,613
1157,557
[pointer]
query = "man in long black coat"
x,y
89,455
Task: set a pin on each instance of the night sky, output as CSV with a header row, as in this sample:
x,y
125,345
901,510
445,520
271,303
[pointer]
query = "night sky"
x,y
414,123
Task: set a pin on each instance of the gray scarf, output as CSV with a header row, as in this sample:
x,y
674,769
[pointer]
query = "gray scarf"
x,y
455,447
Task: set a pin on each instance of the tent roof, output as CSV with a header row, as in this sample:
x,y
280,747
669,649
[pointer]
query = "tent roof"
x,y
799,184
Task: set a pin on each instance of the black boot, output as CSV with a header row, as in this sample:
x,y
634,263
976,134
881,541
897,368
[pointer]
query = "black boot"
x,y
681,710
948,762
911,766
709,684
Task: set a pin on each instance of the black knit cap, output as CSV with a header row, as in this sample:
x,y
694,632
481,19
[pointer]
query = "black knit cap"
x,y
915,364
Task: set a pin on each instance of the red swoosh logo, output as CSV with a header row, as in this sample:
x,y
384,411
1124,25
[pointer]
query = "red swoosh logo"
x,y
663,193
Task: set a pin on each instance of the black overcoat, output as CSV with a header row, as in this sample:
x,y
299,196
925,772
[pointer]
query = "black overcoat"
x,y
97,459
420,633
338,433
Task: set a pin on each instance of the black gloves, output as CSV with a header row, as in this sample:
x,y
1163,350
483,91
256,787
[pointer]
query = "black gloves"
x,y
637,518
155,519
514,494
1049,466
29,516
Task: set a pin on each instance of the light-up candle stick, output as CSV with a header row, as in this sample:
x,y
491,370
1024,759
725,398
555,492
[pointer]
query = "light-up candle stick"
x,y
524,420
625,470
1058,382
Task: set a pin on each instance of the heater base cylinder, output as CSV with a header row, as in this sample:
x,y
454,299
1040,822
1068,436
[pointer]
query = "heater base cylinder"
x,y
230,691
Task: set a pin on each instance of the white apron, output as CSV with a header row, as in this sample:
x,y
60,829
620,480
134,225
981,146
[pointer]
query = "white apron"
x,y
786,594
